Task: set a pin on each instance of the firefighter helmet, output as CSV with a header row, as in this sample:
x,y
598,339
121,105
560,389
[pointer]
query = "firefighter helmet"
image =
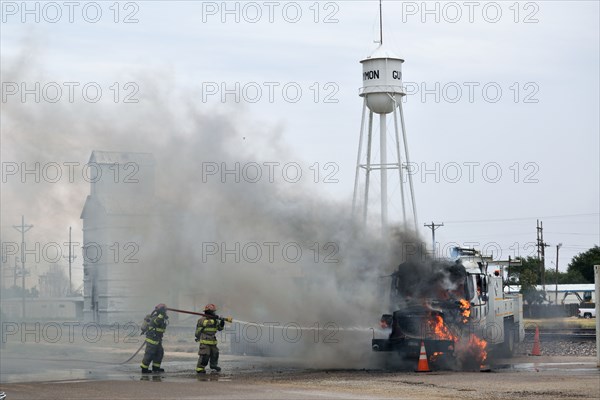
x,y
161,307
210,307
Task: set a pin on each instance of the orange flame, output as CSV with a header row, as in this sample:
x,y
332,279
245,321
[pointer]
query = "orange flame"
x,y
474,348
465,307
479,345
440,330
435,355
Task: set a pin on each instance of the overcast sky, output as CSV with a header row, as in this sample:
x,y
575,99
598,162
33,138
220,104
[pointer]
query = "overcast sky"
x,y
536,123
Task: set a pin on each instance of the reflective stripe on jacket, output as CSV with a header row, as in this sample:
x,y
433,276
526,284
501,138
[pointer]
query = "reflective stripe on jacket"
x,y
156,328
206,330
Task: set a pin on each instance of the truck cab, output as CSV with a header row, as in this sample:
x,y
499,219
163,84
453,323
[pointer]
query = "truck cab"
x,y
496,317
461,300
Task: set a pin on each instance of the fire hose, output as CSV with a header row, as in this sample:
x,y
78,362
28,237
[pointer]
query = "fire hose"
x,y
226,319
134,354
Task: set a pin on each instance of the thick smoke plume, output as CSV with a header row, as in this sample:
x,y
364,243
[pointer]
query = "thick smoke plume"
x,y
189,211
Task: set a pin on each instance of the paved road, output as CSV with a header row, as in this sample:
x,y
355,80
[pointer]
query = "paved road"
x,y
263,378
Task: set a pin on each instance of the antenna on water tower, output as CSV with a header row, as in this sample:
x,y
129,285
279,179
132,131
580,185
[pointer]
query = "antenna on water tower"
x,y
382,92
380,23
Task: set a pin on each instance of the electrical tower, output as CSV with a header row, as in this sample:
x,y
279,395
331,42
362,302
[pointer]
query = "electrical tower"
x,y
541,250
70,258
23,229
433,226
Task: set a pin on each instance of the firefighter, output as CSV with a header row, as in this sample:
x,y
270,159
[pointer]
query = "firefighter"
x,y
206,334
154,327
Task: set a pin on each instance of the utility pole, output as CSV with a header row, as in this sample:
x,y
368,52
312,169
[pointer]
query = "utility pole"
x,y
23,228
15,272
597,287
433,227
71,258
558,246
541,246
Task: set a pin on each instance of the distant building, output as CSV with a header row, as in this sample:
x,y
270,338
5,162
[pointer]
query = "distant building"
x,y
115,217
43,309
567,293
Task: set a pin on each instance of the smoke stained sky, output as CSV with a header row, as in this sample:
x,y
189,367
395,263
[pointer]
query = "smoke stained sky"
x,y
170,52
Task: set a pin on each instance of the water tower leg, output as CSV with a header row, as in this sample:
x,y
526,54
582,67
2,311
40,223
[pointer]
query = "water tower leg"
x,y
400,166
360,144
368,175
383,156
410,181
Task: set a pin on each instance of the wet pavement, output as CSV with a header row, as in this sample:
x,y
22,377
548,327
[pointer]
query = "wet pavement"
x,y
277,378
81,371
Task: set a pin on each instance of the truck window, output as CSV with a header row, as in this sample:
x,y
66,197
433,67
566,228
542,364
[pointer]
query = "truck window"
x,y
469,290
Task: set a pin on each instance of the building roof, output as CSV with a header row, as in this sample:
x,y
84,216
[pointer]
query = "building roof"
x,y
573,287
121,157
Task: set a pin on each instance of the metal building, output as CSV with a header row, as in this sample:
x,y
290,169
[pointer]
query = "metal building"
x,y
565,293
115,221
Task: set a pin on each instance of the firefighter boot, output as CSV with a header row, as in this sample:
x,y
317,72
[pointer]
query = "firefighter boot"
x,y
200,370
157,369
214,362
145,370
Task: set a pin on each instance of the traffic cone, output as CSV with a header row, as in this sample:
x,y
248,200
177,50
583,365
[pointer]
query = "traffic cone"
x,y
536,343
423,365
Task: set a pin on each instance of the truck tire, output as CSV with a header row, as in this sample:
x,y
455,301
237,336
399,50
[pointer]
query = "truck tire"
x,y
507,349
587,315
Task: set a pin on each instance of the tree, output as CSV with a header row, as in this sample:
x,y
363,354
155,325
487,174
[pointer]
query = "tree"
x,y
583,263
527,275
563,277
527,264
17,292
527,281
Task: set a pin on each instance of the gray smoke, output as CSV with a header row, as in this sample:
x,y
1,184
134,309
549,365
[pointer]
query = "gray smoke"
x,y
190,212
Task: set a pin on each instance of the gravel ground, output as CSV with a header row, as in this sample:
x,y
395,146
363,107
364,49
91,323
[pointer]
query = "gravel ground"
x,y
560,348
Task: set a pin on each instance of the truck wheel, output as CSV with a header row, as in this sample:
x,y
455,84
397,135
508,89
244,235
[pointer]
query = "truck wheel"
x,y
587,315
507,348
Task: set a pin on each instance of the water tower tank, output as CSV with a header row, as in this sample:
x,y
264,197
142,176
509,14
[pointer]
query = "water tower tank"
x,y
382,80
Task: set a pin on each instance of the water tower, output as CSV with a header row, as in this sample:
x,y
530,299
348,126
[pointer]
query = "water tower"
x,y
382,93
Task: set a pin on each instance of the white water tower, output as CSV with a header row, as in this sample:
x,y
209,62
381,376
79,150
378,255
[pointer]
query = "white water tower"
x,y
382,92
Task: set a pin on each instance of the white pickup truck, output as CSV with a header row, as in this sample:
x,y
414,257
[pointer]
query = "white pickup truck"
x,y
587,310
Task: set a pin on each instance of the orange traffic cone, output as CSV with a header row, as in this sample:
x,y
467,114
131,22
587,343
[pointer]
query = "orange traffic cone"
x,y
423,365
536,343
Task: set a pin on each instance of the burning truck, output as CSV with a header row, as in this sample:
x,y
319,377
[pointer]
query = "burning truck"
x,y
455,307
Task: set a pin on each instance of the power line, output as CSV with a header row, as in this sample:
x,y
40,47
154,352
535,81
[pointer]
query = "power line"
x,y
520,218
575,233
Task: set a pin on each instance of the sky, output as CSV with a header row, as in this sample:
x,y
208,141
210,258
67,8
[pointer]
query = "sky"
x,y
502,111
